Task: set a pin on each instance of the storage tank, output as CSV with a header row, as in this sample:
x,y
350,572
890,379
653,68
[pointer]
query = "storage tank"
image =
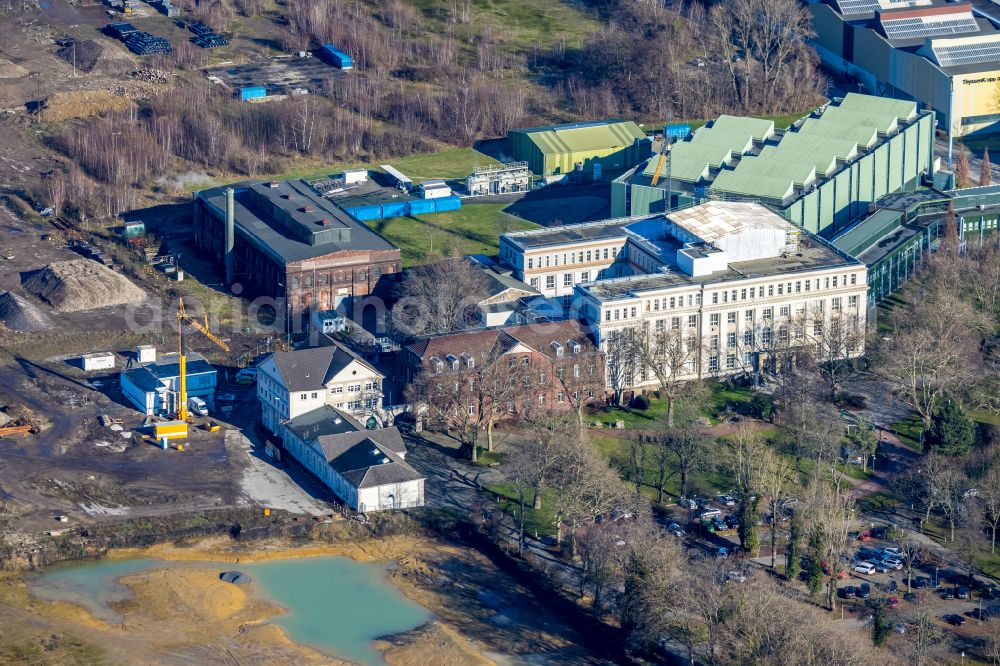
x,y
252,92
395,209
421,206
366,213
334,56
446,203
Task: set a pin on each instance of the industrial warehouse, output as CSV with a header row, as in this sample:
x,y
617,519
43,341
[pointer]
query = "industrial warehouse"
x,y
281,239
945,55
821,173
593,147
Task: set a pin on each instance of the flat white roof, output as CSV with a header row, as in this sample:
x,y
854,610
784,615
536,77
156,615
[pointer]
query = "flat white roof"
x,y
717,219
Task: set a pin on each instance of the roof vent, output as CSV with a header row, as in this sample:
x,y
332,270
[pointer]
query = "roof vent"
x,y
376,452
273,184
385,461
337,420
288,196
325,222
307,209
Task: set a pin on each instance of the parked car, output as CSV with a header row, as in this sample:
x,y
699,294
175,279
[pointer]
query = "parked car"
x,y
711,513
847,591
726,500
722,552
955,620
864,591
688,504
899,628
890,564
675,529
864,567
893,550
246,376
980,615
962,592
921,582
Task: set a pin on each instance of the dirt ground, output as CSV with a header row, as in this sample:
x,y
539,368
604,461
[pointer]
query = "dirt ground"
x,y
188,615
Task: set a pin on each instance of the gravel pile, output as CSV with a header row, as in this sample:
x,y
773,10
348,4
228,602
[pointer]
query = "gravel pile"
x,y
19,314
82,284
85,54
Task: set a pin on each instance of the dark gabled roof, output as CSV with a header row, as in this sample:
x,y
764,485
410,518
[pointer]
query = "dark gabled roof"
x,y
481,343
149,377
321,422
311,369
364,458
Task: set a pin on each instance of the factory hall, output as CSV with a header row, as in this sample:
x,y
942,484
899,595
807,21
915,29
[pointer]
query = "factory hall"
x,y
283,240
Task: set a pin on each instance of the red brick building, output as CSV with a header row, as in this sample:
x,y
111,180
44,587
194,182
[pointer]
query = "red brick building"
x,y
563,368
283,240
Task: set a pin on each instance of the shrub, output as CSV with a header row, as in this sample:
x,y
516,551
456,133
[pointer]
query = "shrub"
x,y
761,407
640,402
952,431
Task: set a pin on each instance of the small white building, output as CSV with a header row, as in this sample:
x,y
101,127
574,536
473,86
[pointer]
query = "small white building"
x,y
293,383
434,189
366,469
145,353
353,176
98,361
328,321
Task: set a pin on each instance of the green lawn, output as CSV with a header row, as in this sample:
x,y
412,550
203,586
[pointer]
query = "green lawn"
x,y
449,164
469,230
877,502
522,24
908,430
541,522
655,416
722,398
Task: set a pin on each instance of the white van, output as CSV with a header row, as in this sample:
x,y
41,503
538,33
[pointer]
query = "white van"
x,y
711,513
197,406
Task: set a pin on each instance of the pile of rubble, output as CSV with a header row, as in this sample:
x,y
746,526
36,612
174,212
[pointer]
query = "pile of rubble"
x,y
81,284
21,315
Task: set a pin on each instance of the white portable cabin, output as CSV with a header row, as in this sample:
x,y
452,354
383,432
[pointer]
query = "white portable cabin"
x,y
145,353
434,189
355,176
99,361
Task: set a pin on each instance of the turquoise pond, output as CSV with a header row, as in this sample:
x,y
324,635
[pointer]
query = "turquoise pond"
x,y
333,604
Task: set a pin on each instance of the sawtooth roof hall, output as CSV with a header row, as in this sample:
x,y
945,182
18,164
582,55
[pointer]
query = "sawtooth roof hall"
x,y
821,173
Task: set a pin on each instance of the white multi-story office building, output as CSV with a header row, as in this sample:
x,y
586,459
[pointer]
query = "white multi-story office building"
x,y
293,383
733,284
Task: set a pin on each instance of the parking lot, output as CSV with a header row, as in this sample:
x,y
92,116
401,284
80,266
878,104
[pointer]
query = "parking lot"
x,y
876,574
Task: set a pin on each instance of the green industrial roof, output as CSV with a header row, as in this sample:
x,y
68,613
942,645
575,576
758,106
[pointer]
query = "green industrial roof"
x,y
862,135
712,146
582,137
815,148
902,109
862,235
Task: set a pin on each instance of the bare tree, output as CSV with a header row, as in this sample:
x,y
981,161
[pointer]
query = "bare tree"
x,y
669,357
989,497
620,352
913,553
986,170
578,378
775,474
440,297
689,445
948,488
836,344
830,516
932,350
963,175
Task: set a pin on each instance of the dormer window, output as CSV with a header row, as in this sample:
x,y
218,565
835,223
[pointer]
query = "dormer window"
x,y
436,364
574,347
452,361
470,362
557,348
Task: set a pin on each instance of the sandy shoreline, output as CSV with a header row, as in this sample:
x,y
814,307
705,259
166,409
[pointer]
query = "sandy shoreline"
x,y
187,613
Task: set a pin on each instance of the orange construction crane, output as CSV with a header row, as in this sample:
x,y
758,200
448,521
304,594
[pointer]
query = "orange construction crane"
x,y
184,318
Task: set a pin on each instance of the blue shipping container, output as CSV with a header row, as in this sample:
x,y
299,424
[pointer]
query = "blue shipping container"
x,y
395,209
253,92
446,203
366,213
336,57
421,206
678,132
